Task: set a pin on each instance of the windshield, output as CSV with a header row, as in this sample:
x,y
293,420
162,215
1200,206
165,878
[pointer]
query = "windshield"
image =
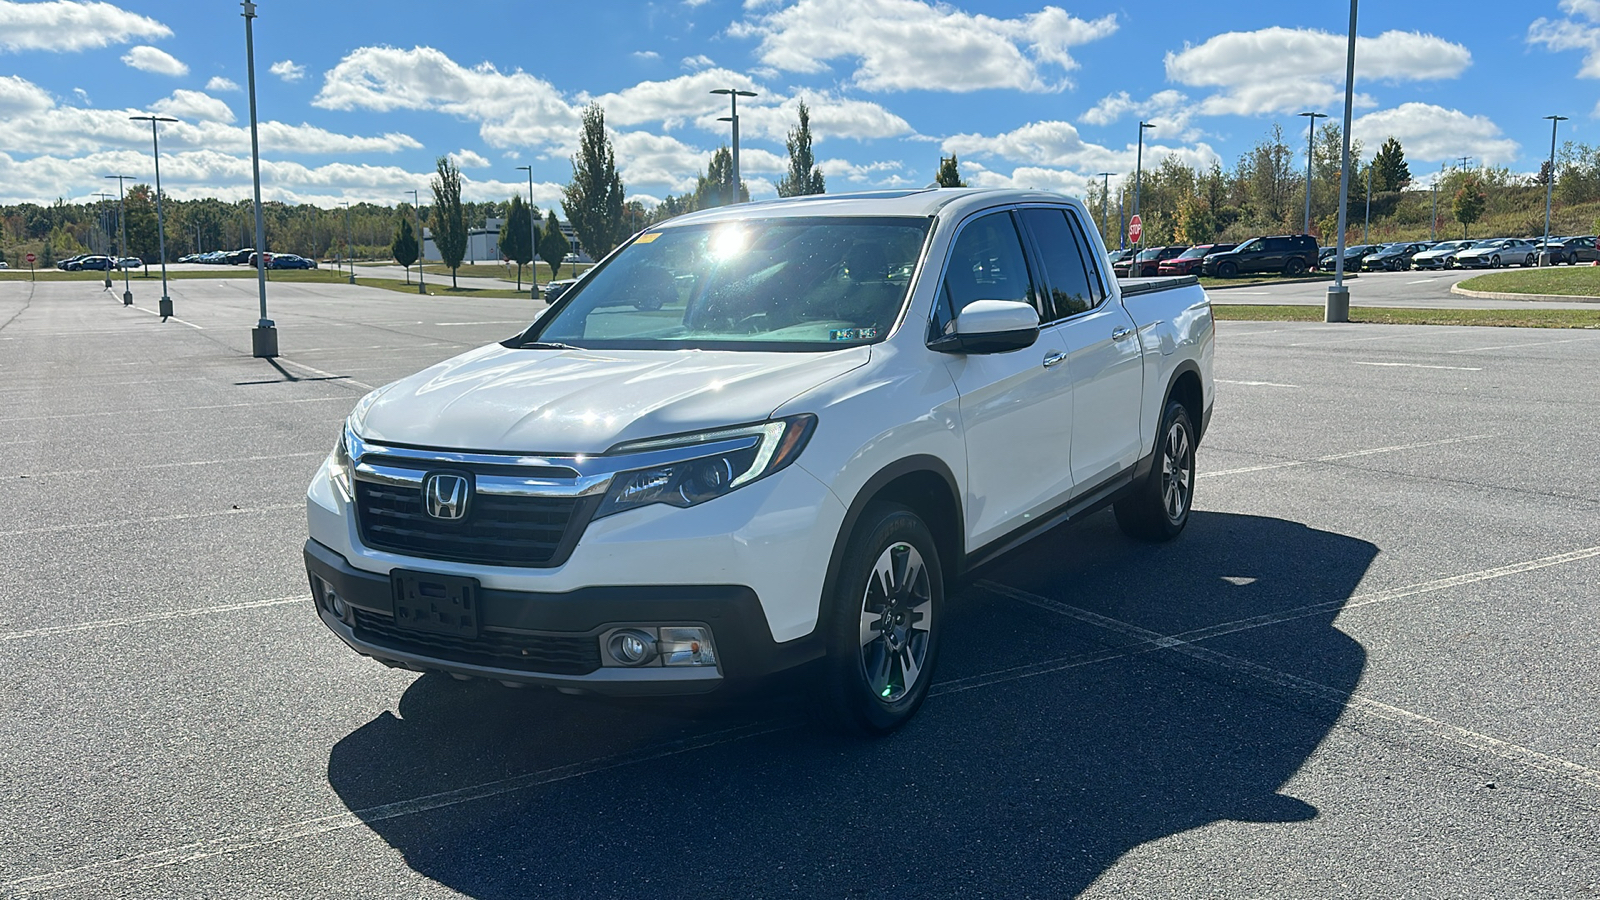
x,y
1150,254
777,284
1194,252
1485,245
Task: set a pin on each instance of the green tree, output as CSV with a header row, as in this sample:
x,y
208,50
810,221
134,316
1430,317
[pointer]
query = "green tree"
x,y
450,232
553,245
1196,224
47,256
404,245
1469,202
594,198
804,176
1389,170
140,209
516,236
949,172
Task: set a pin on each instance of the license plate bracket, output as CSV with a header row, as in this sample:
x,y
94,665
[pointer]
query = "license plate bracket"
x,y
438,604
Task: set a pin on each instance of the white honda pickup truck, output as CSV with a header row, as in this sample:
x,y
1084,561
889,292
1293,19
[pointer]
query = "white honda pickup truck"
x,y
763,436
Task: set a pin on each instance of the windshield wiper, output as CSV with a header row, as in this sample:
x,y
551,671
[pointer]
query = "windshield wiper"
x,y
546,345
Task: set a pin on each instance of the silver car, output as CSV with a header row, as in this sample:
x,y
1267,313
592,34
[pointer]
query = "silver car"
x,y
1440,256
1497,252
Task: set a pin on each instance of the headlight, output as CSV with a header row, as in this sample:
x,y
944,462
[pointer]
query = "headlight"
x,y
694,481
341,467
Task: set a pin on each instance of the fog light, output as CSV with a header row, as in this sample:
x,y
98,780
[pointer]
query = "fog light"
x,y
632,648
686,646
331,601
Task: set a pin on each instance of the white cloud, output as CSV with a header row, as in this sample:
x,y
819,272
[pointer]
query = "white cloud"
x,y
1288,69
673,101
1055,146
515,109
1435,134
18,96
875,173
149,59
831,116
82,95
67,25
698,61
1571,34
218,83
901,45
1170,111
646,54
469,159
288,70
193,105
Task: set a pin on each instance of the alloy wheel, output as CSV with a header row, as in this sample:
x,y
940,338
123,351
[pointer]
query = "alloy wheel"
x,y
896,622
1177,472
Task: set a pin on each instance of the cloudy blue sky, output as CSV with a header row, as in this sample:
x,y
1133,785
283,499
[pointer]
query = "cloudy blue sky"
x,y
357,99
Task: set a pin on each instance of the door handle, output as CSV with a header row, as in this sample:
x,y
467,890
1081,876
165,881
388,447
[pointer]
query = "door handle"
x,y
1053,358
1118,334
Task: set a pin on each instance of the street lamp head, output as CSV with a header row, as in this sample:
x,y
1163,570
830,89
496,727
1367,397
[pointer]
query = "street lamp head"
x,y
1557,118
524,168
733,92
1315,115
725,118
1147,124
151,119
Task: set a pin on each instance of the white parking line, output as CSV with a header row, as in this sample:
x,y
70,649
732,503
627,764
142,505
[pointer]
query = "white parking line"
x,y
1520,346
505,322
168,465
1419,366
167,409
1257,383
1351,454
150,520
1375,337
173,318
1423,281
150,617
321,374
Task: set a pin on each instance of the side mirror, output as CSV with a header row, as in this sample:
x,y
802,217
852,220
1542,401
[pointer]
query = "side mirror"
x,y
990,326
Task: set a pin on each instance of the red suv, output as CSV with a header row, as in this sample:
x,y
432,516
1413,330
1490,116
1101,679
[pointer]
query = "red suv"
x,y
1188,262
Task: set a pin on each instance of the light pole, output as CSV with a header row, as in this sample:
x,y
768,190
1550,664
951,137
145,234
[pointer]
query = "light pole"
x,y
1138,178
1368,223
114,258
422,258
1122,217
122,222
264,337
1549,183
1311,135
1105,197
1337,308
1433,224
161,228
733,97
533,239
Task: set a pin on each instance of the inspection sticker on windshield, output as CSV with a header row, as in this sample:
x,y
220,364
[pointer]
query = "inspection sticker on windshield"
x,y
647,238
852,334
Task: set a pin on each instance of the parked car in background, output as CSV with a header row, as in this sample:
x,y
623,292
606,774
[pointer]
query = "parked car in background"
x,y
95,264
289,261
1439,256
130,262
553,290
1393,257
1497,252
1353,255
4,264
238,257
1571,251
1115,256
1291,254
1148,261
70,264
1188,262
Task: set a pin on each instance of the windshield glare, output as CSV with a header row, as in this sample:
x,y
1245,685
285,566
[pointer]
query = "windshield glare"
x,y
795,283
1194,252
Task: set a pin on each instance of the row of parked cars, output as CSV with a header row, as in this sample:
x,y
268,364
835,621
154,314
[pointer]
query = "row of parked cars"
x,y
247,257
97,263
1294,254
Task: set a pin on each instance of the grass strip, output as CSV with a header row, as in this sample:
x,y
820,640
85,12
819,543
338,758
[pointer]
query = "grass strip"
x,y
1374,315
443,290
1565,281
1210,282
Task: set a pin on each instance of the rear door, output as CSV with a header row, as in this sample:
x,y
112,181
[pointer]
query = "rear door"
x,y
1102,344
1016,407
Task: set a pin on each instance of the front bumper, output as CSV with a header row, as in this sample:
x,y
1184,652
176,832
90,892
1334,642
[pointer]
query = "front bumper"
x,y
559,633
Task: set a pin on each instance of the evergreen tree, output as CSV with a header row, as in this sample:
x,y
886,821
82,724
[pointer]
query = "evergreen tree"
x,y
949,173
47,256
804,177
450,232
404,245
1389,172
594,198
516,236
553,245
1468,203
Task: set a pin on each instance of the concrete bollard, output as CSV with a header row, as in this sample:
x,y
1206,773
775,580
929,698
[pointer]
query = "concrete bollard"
x,y
1338,308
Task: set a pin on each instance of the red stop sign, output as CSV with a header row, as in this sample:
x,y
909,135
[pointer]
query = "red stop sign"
x,y
1135,230
30,258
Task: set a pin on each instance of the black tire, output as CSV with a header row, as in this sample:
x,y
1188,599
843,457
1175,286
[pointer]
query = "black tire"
x,y
1295,266
1227,270
888,542
1158,509
1494,262
1527,261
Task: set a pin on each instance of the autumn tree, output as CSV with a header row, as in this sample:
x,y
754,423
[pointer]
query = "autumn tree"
x,y
1469,202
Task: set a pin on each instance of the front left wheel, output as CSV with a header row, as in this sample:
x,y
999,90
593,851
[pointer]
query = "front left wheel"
x,y
883,627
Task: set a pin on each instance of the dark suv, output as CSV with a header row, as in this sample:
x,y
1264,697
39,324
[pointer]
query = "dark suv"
x,y
1291,254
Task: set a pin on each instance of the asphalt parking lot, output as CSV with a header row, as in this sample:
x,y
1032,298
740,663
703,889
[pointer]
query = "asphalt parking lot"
x,y
1367,669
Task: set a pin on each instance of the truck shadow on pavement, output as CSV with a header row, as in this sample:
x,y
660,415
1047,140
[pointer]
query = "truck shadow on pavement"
x,y
1013,782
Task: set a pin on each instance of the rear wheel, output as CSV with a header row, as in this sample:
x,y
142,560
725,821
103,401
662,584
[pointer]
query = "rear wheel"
x,y
1527,261
1158,509
1227,270
883,631
1294,267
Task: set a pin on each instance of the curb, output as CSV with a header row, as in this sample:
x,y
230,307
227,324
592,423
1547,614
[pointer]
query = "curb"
x,y
1228,287
1536,298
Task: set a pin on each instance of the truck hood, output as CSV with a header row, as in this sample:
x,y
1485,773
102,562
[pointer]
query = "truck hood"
x,y
561,402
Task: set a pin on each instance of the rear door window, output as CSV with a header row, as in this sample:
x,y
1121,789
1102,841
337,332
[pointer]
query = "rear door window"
x,y
1060,253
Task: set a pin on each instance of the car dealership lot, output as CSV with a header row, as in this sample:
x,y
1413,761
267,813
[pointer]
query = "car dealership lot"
x,y
1367,668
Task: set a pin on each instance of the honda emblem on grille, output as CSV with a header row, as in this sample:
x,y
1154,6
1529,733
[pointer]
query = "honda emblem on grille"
x,y
445,495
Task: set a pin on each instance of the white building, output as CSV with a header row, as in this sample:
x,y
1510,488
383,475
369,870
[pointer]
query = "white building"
x,y
483,244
